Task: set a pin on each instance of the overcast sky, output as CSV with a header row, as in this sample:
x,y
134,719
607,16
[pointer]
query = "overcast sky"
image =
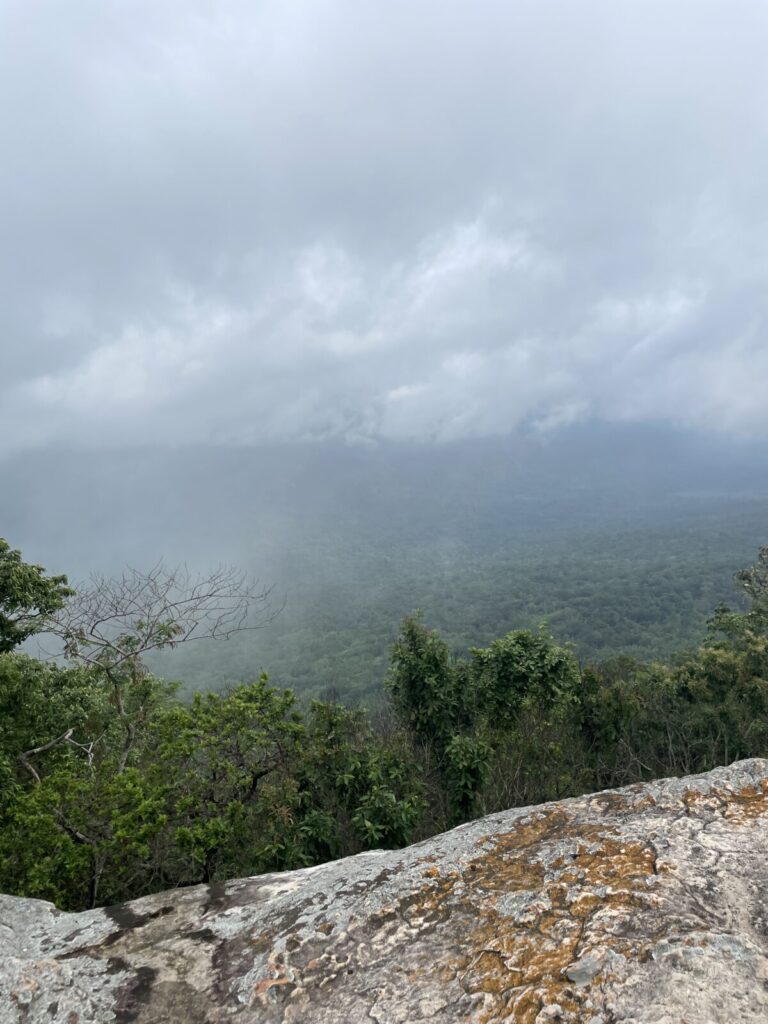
x,y
233,221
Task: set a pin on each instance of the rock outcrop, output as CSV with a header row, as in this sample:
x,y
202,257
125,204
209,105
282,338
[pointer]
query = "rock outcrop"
x,y
642,904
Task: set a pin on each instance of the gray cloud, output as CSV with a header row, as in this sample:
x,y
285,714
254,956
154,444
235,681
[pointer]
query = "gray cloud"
x,y
237,222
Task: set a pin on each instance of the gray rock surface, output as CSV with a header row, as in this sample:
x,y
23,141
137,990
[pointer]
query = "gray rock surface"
x,y
642,904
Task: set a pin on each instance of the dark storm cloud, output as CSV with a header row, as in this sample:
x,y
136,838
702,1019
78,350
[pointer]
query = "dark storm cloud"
x,y
235,221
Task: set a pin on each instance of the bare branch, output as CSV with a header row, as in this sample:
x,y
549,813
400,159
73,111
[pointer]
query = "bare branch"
x,y
71,831
110,622
87,748
25,756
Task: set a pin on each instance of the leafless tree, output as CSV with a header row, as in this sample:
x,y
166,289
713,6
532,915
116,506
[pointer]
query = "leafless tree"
x,y
119,620
112,623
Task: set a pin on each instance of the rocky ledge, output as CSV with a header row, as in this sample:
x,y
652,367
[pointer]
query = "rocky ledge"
x,y
640,904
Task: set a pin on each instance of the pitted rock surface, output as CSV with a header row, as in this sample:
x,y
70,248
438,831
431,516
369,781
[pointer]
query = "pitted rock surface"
x,y
643,904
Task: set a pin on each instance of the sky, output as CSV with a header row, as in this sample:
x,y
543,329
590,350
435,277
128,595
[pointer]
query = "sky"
x,y
240,221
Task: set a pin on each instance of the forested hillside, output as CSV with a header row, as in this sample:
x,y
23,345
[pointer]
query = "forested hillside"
x,y
647,593
622,540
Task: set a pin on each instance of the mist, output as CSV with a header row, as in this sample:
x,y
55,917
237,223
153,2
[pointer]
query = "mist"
x,y
393,307
479,534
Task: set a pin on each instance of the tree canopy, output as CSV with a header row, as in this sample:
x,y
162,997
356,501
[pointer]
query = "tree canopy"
x,y
28,597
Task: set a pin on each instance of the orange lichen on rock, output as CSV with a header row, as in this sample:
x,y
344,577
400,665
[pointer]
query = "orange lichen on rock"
x,y
748,803
645,904
262,987
517,962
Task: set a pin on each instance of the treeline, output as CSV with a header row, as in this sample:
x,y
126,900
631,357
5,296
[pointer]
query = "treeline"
x,y
111,787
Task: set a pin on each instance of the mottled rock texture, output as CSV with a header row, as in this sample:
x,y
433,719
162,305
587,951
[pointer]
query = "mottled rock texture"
x,y
641,904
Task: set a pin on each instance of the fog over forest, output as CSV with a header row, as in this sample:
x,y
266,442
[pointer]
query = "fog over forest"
x,y
624,540
394,306
383,445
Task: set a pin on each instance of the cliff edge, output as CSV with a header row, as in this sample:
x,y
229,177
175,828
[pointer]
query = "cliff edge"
x,y
642,904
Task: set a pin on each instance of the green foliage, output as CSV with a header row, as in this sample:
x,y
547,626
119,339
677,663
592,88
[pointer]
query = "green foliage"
x,y
37,857
709,707
424,686
468,764
111,787
39,700
27,597
231,797
367,788
609,587
227,785
524,671
470,714
633,719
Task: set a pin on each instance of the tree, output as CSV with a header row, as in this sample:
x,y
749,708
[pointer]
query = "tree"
x,y
224,765
425,687
27,597
754,582
497,725
85,788
359,790
36,697
112,624
434,697
524,671
751,626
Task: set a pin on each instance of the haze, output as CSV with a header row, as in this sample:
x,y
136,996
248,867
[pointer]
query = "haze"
x,y
342,242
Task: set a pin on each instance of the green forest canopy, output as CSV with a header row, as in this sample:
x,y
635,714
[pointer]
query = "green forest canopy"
x,y
111,786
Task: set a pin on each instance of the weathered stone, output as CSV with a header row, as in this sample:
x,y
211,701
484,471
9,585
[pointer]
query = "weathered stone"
x,y
643,904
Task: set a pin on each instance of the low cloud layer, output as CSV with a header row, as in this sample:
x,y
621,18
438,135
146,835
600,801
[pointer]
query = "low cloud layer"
x,y
233,222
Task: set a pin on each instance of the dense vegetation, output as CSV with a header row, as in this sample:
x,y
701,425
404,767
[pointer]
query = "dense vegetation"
x,y
647,592
112,787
